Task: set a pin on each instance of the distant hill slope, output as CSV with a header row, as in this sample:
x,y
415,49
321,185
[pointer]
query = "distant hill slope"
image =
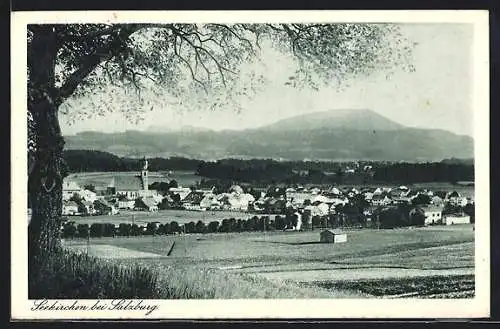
x,y
351,119
331,135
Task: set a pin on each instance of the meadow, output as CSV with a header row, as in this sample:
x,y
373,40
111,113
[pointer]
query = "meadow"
x,y
373,263
162,216
102,179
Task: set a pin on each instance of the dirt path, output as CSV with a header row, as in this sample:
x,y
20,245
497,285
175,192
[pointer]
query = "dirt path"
x,y
111,252
360,274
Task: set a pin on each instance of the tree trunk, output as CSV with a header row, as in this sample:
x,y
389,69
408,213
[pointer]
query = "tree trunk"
x,y
45,178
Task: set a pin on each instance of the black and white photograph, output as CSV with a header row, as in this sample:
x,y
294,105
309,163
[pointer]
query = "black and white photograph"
x,y
315,164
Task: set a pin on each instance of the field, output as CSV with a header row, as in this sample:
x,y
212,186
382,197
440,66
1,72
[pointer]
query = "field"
x,y
431,262
102,179
162,216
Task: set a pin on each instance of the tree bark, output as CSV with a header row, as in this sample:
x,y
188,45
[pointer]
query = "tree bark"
x,y
47,172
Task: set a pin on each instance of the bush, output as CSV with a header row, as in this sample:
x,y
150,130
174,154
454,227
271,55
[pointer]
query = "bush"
x,y
124,229
190,227
175,228
96,230
77,276
213,227
135,230
109,230
200,227
151,228
69,231
280,223
83,230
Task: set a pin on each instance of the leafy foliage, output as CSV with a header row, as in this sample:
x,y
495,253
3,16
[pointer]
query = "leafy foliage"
x,y
110,62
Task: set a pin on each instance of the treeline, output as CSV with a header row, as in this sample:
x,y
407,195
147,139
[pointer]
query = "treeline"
x,y
385,219
268,171
91,161
424,172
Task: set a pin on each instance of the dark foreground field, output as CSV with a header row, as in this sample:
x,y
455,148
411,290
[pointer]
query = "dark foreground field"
x,y
432,262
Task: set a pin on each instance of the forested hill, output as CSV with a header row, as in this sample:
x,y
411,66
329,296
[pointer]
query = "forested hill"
x,y
91,160
268,171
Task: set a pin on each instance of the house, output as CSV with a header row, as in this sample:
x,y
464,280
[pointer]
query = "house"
x,y
87,195
87,207
380,200
456,199
368,195
437,201
210,201
333,236
298,198
147,203
70,208
457,219
103,207
318,209
192,201
126,204
236,189
432,214
233,201
69,188
335,191
183,192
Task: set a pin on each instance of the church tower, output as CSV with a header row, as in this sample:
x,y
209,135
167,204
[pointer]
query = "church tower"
x,y
144,173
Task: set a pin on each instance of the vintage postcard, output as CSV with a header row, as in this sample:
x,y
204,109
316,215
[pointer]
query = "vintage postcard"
x,y
250,164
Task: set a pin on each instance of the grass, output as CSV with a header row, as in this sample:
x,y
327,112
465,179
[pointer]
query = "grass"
x,y
256,264
74,275
186,282
430,248
459,286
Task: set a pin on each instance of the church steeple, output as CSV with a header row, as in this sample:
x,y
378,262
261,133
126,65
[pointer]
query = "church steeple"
x,y
144,173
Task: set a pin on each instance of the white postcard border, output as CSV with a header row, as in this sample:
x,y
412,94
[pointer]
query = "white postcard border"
x,y
269,308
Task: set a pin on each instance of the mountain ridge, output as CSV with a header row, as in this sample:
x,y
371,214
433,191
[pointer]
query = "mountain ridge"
x,y
334,135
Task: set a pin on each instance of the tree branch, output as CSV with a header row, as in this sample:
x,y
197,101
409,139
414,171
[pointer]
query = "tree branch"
x,y
89,63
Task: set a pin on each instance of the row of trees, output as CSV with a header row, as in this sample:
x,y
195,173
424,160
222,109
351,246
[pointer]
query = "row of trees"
x,y
389,218
93,160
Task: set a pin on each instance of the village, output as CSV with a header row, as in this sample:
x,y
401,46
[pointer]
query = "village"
x,y
349,205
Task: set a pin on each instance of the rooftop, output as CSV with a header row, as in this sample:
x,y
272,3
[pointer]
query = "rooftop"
x,y
126,183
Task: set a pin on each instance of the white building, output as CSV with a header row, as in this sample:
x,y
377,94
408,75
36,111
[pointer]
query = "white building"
x,y
333,236
70,208
457,219
181,191
70,188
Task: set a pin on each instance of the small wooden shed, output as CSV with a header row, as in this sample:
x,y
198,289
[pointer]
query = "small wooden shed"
x,y
333,236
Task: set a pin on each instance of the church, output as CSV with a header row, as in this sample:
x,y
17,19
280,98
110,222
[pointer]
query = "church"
x,y
132,186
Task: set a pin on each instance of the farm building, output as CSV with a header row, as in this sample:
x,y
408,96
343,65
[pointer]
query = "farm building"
x,y
332,236
69,189
126,204
86,207
103,207
432,214
181,191
457,219
70,208
148,204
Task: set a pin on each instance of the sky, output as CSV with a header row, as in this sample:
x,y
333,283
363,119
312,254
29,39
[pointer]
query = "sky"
x,y
437,95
